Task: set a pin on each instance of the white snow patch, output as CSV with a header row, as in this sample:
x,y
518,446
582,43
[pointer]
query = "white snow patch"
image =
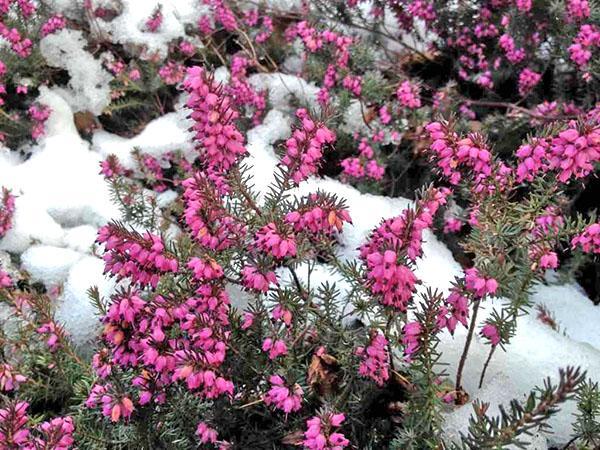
x,y
75,311
49,264
282,88
164,134
81,238
129,27
89,88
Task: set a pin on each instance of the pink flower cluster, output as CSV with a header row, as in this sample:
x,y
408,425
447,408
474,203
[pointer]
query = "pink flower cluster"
x,y
218,140
165,340
572,153
583,46
589,239
396,243
114,405
274,347
39,114
242,92
454,311
255,279
7,210
275,241
155,20
320,433
9,379
365,165
490,332
287,399
453,154
319,216
578,9
452,225
15,432
513,54
251,18
410,339
456,307
20,45
544,237
304,149
53,24
314,41
211,224
375,359
111,167
206,434
353,84
528,79
172,73
5,279
142,259
478,285
409,95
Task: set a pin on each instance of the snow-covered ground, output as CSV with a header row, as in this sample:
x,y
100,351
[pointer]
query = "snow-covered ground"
x,y
62,200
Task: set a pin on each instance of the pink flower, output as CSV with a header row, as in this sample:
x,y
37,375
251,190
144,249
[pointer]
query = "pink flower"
x,y
9,379
410,339
7,211
53,24
491,333
135,75
187,48
206,434
578,9
205,270
528,79
452,225
14,433
375,359
478,285
155,20
56,434
172,72
304,149
39,114
275,348
353,84
589,240
248,320
274,242
524,5
320,434
408,95
287,399
254,279
141,258
5,280
323,219
218,140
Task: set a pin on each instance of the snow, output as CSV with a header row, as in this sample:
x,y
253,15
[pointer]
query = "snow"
x,y
282,88
50,193
49,264
129,27
75,311
89,88
164,134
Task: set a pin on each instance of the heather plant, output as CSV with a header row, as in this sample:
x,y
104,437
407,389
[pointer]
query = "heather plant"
x,y
226,319
221,332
